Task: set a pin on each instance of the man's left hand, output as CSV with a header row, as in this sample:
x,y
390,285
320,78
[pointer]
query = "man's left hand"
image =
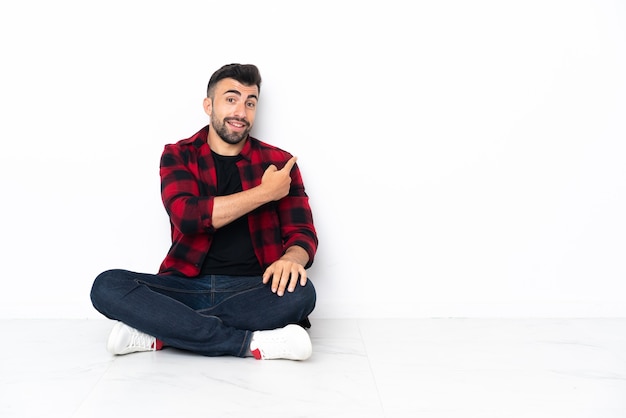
x,y
284,273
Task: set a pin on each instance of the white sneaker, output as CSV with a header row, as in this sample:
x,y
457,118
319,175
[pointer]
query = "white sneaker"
x,y
124,339
291,342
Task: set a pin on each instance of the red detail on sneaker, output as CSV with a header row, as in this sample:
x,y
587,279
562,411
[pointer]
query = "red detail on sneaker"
x,y
257,354
158,344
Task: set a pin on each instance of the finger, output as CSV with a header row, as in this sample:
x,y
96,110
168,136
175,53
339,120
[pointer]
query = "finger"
x,y
267,274
284,281
275,281
289,165
293,282
298,272
303,277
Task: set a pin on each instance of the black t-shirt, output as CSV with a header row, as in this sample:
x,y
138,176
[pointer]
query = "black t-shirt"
x,y
231,251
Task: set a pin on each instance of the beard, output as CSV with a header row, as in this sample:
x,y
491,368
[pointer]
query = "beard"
x,y
227,136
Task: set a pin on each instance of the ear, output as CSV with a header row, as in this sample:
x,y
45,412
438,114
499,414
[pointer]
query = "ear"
x,y
208,106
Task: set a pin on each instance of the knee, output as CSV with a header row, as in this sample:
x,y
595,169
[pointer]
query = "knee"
x,y
105,287
308,295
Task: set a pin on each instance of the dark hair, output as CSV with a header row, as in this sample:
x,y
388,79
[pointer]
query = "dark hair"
x,y
246,74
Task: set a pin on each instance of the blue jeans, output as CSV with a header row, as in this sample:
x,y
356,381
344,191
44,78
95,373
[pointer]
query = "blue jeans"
x,y
210,315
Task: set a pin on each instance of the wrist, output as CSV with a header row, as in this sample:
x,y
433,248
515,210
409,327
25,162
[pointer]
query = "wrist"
x,y
296,254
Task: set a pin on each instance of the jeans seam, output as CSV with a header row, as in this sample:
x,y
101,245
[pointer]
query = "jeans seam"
x,y
172,289
227,299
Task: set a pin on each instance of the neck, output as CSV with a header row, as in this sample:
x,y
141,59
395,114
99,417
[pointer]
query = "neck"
x,y
221,147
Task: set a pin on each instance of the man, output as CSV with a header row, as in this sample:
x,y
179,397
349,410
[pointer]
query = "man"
x,y
234,281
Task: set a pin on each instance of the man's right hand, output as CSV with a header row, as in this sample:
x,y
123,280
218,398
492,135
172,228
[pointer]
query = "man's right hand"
x,y
277,182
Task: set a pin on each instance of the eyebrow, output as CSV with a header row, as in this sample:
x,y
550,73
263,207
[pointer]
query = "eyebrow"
x,y
238,93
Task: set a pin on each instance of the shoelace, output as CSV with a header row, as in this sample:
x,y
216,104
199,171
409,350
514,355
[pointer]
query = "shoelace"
x,y
140,340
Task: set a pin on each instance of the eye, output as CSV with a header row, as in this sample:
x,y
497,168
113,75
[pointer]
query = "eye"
x,y
251,105
230,99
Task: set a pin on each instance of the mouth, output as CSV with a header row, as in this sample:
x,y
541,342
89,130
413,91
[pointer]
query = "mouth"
x,y
237,124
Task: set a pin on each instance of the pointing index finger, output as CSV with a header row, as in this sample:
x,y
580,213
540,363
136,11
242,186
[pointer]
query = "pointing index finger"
x,y
289,164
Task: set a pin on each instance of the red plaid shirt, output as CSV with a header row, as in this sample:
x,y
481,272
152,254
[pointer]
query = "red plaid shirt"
x,y
188,190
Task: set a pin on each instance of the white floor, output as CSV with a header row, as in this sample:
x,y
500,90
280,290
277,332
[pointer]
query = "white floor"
x,y
360,368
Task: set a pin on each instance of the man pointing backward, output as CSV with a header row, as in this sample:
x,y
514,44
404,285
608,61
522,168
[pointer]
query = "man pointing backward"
x,y
234,280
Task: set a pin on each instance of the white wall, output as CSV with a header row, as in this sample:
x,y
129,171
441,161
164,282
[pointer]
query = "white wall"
x,y
462,158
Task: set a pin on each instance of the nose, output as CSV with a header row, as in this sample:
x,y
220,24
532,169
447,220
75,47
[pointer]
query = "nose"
x,y
240,109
